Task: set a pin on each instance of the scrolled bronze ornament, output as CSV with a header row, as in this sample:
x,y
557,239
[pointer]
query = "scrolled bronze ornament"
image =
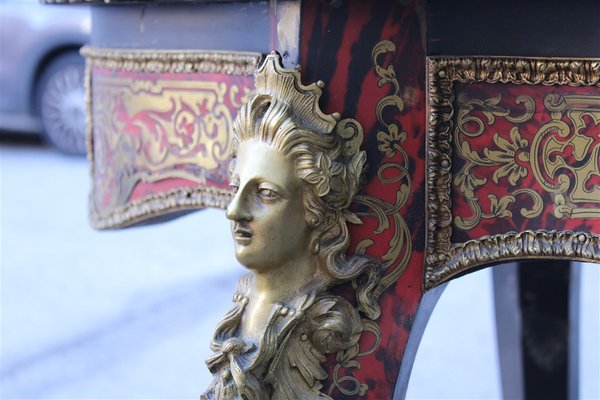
x,y
538,244
295,171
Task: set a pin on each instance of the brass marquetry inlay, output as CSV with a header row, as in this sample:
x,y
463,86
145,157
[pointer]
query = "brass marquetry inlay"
x,y
160,126
515,157
575,185
562,155
390,139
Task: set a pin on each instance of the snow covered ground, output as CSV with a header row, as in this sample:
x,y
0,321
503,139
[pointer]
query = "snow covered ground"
x,y
129,314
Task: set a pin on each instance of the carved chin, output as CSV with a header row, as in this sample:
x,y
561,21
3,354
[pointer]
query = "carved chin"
x,y
250,258
241,254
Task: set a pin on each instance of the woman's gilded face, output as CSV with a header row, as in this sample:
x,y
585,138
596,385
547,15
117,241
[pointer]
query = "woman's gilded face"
x,y
267,212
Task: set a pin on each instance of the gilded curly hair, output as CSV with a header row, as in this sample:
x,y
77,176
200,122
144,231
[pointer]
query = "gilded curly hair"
x,y
329,170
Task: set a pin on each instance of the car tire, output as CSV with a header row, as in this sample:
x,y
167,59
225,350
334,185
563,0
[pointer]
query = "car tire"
x,y
60,99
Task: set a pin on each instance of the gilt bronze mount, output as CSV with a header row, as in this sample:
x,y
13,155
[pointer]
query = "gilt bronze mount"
x,y
295,171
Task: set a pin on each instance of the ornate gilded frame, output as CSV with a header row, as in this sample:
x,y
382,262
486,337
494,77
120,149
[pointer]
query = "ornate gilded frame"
x,y
445,259
225,63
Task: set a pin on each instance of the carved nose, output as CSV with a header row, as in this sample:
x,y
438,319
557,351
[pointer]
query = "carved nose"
x,y
238,209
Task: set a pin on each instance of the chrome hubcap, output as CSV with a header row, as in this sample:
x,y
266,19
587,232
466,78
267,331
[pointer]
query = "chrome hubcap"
x,y
63,109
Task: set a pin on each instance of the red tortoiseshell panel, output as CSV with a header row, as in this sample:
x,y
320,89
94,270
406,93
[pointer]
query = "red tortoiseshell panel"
x,y
161,141
370,56
526,157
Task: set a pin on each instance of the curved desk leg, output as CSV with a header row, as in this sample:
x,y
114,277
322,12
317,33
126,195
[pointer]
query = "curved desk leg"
x,y
537,322
426,306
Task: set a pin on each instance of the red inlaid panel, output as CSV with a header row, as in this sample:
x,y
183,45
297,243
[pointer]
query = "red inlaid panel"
x,y
526,157
370,56
161,141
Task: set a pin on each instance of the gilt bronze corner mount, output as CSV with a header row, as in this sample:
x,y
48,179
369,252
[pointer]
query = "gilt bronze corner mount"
x,y
295,171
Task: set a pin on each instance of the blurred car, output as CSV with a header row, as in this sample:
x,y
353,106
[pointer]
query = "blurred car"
x,y
41,71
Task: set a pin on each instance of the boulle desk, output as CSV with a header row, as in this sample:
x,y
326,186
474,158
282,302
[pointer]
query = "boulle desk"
x,y
481,124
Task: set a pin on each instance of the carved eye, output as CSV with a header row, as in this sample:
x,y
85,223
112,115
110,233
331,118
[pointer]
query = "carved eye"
x,y
234,186
267,194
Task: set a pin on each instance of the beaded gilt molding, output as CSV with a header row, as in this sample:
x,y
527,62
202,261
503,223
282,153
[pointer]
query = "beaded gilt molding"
x,y
159,130
513,162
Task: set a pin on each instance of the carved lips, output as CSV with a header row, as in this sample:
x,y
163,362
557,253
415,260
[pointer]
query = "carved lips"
x,y
242,234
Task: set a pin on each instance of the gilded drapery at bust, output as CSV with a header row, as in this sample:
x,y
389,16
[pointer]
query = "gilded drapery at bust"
x,y
295,171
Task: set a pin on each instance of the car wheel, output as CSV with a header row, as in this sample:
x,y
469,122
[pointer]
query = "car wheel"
x,y
61,102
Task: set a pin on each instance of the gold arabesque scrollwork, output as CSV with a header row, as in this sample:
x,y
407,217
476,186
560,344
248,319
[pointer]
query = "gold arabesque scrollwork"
x,y
347,359
512,157
505,157
147,124
571,187
390,140
516,157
